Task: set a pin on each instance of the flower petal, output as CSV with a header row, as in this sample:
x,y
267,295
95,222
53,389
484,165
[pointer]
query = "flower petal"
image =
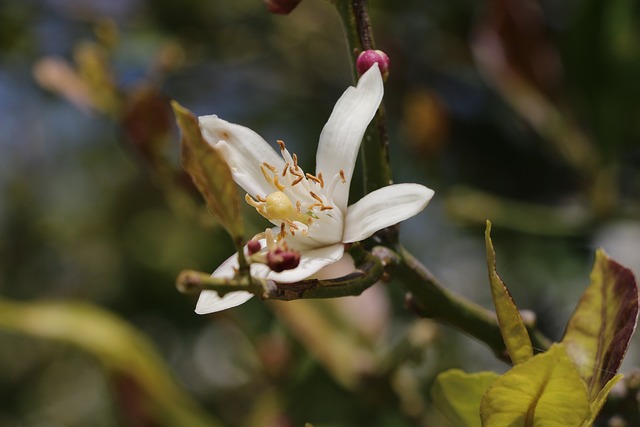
x,y
342,135
210,302
384,207
311,262
244,150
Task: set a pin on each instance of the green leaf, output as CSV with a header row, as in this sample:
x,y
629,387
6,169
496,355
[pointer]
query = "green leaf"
x,y
514,333
597,403
210,173
599,331
457,395
544,391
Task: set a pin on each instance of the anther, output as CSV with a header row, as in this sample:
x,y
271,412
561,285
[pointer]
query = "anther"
x,y
313,178
281,144
270,167
266,174
285,169
342,177
291,224
277,184
297,181
326,208
315,196
295,161
260,198
321,179
252,202
298,206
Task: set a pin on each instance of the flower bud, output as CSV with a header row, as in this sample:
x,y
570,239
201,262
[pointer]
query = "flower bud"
x,y
279,260
281,7
369,57
253,246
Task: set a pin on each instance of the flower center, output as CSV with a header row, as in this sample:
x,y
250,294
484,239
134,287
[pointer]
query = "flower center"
x,y
277,206
300,201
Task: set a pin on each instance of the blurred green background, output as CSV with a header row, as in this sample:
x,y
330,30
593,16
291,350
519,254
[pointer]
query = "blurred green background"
x,y
525,113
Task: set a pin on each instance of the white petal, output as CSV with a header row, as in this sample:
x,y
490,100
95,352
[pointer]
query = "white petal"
x,y
244,150
344,267
342,135
311,262
210,302
384,207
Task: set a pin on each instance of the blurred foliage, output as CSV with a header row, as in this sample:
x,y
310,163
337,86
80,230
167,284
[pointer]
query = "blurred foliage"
x,y
94,206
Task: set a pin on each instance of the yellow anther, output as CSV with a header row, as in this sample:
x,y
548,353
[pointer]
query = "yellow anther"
x,y
277,184
278,206
251,202
266,174
270,167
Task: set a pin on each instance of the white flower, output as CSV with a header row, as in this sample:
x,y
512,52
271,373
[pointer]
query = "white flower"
x,y
310,212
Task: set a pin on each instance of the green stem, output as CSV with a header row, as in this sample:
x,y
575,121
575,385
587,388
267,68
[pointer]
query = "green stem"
x,y
374,150
369,271
430,299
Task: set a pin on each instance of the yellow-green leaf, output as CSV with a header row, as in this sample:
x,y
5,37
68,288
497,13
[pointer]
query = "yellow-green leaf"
x,y
514,333
544,391
457,395
599,331
597,403
210,173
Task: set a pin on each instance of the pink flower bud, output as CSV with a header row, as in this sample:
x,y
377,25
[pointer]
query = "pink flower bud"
x,y
281,7
279,260
253,246
369,57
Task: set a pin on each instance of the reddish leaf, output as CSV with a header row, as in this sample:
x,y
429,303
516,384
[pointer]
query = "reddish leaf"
x,y
599,332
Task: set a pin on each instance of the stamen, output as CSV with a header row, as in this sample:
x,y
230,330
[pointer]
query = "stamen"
x,y
314,205
260,198
292,224
295,161
268,234
251,202
281,144
326,208
285,169
321,179
315,196
298,206
342,177
277,184
271,167
266,174
282,234
313,178
297,181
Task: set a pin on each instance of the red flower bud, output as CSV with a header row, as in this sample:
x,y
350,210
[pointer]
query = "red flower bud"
x,y
369,57
281,7
279,260
253,246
